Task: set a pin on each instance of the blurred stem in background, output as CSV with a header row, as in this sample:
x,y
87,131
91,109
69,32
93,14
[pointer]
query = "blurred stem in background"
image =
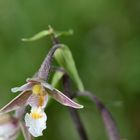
x,y
73,112
107,36
109,122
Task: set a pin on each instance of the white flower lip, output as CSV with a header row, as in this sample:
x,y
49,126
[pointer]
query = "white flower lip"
x,y
36,121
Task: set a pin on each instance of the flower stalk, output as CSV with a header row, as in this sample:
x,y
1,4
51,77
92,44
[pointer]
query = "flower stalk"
x,y
109,122
73,112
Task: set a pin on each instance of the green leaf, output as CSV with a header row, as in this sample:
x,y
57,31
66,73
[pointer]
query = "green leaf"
x,y
65,59
56,78
65,33
47,33
38,36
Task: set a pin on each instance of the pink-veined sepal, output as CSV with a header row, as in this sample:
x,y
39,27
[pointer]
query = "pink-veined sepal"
x,y
17,102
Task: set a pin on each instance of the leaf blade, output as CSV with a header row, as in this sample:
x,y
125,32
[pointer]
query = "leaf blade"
x,y
37,36
65,59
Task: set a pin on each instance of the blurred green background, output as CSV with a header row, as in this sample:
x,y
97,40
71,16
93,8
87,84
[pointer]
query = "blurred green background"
x,y
106,48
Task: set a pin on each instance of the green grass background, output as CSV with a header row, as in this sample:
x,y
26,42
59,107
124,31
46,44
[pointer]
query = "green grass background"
x,y
106,48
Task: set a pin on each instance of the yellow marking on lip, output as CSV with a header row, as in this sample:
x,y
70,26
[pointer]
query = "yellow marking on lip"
x,y
36,115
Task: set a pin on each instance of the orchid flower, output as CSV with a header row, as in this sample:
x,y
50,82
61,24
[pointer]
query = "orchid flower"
x,y
36,121
35,93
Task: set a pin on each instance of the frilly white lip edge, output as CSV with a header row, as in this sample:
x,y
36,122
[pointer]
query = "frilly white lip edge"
x,y
36,126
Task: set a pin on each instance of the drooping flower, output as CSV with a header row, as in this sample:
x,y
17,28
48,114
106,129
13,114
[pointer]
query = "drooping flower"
x,y
35,93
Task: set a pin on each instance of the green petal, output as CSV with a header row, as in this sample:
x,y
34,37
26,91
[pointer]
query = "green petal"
x,y
37,36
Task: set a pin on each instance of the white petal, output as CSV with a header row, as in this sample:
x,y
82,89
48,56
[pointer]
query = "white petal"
x,y
28,119
36,126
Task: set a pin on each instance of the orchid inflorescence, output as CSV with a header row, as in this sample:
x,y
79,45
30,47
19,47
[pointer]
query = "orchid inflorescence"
x,y
35,94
